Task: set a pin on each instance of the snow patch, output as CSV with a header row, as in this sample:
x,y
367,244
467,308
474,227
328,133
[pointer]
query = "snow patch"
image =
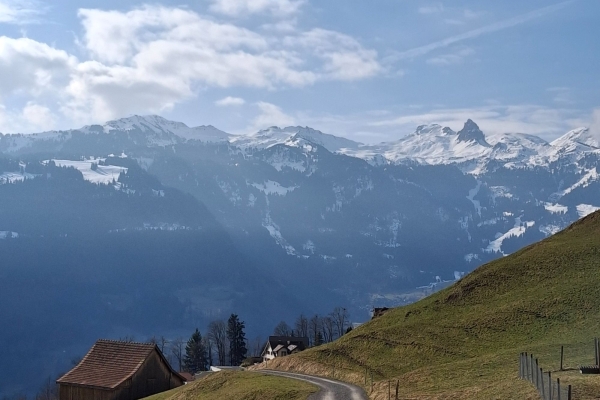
x,y
309,246
550,229
12,177
519,229
556,208
471,196
271,187
8,235
586,209
470,257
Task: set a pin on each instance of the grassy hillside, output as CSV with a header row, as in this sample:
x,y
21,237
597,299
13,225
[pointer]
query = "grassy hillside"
x,y
464,341
240,386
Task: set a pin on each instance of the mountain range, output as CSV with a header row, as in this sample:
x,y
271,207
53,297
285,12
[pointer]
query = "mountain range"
x,y
144,226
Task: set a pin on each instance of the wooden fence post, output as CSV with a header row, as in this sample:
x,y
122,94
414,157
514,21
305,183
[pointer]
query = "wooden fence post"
x,y
397,387
531,364
389,390
558,386
542,385
550,385
569,393
562,354
596,350
521,366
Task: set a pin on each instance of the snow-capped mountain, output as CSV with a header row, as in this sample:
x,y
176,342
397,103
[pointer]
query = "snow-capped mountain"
x,y
329,202
275,135
158,125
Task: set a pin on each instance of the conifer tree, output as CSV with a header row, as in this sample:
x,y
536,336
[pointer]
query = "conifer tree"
x,y
237,340
195,354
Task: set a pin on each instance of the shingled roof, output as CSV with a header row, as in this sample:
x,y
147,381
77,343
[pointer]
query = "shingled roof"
x,y
109,363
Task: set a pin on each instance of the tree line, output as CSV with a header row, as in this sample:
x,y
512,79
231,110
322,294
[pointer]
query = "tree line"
x,y
318,329
224,343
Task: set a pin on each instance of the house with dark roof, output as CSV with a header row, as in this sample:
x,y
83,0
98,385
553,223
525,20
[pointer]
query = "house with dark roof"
x,y
114,370
281,346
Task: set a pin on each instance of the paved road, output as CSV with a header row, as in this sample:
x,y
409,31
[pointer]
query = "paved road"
x,y
330,389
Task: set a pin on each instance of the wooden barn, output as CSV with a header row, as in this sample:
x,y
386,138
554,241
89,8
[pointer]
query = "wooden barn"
x,y
114,370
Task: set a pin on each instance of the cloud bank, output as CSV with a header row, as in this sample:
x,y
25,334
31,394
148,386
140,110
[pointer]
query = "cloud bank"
x,y
151,58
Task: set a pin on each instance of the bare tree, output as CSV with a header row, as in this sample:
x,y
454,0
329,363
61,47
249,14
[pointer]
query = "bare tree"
x,y
209,350
328,328
314,327
256,346
282,329
48,392
341,320
178,351
162,342
217,333
302,326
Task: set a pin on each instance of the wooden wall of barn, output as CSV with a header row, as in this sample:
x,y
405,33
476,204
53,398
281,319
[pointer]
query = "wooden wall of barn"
x,y
71,392
154,376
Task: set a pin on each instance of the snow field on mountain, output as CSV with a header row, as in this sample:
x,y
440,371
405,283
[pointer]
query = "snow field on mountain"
x,y
556,208
271,187
103,174
586,209
11,177
519,229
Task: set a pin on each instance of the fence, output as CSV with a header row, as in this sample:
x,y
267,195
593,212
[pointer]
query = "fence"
x,y
549,389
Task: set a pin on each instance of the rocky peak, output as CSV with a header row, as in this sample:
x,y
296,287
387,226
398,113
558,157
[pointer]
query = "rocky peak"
x,y
471,133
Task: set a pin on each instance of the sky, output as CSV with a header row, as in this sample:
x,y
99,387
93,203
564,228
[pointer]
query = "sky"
x,y
369,70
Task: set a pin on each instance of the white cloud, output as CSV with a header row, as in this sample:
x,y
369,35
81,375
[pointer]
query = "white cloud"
x,y
432,9
498,26
284,26
271,115
452,58
20,12
39,116
33,117
230,101
344,57
151,58
244,7
32,68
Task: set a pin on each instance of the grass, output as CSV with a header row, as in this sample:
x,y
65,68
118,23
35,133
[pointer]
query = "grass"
x,y
464,341
241,386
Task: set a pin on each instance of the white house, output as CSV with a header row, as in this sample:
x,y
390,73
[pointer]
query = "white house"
x,y
281,346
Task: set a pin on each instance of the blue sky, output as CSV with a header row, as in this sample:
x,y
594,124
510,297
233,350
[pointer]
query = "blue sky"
x,y
368,70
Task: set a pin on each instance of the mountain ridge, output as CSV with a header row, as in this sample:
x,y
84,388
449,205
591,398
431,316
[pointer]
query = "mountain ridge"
x,y
428,144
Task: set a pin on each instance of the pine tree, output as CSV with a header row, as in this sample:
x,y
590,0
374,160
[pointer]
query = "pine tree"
x,y
319,339
195,354
237,340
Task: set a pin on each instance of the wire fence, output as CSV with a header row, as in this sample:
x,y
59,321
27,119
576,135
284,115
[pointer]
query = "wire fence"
x,y
548,388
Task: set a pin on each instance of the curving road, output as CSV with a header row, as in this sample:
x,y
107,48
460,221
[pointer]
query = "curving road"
x,y
330,389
